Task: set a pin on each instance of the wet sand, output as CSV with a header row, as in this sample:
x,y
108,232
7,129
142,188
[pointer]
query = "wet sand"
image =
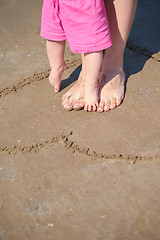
x,y
77,175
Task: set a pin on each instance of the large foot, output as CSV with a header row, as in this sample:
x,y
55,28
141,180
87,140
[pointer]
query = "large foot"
x,y
74,98
112,90
55,76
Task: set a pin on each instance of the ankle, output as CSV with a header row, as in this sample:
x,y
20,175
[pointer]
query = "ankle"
x,y
112,70
81,78
59,68
91,85
113,62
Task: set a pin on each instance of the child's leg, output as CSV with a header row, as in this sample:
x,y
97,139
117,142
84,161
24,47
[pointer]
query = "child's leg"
x,y
55,53
93,64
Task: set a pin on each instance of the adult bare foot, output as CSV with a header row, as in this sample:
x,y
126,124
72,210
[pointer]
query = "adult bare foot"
x,y
74,98
111,90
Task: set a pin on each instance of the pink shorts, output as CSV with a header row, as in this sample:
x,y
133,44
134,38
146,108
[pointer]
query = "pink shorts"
x,y
83,23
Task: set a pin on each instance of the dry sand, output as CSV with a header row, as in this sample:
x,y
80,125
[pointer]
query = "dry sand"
x,y
77,175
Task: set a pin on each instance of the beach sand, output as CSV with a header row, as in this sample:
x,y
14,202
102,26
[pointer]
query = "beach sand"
x,y
77,175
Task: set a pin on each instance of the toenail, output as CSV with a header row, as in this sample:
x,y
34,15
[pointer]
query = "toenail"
x,y
66,106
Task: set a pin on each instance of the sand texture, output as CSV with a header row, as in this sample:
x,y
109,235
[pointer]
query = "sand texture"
x,y
77,175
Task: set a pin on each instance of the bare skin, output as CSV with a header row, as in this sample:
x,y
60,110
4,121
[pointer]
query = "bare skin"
x,y
91,97
112,90
85,93
93,65
74,98
55,53
56,75
120,16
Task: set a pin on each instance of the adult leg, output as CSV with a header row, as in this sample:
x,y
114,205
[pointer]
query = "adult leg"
x,y
55,53
120,16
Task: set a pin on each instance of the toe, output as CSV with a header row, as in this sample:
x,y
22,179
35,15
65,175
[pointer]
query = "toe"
x,y
100,107
78,105
64,101
113,103
107,105
66,104
81,104
86,107
94,107
89,108
67,107
75,104
56,88
118,102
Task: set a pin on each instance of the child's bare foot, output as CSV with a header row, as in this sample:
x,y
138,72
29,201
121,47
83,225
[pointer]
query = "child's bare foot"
x,y
112,90
91,97
55,76
74,98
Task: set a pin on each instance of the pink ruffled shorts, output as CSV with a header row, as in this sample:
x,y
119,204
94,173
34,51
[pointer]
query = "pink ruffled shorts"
x,y
83,23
